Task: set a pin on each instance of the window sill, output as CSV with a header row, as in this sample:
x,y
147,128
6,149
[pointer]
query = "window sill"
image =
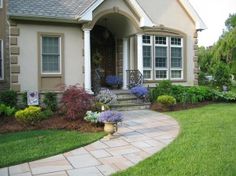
x,y
156,81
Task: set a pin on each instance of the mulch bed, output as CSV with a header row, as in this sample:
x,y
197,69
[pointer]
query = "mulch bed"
x,y
10,124
178,107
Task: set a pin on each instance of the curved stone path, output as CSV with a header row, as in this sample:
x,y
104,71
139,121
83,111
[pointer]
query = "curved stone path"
x,y
142,134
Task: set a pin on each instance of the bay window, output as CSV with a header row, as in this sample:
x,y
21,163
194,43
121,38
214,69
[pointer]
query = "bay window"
x,y
162,57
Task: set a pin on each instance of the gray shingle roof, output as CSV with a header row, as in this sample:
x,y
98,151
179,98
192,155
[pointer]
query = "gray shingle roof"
x,y
62,9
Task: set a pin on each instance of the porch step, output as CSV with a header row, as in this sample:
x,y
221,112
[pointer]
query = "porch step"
x,y
126,101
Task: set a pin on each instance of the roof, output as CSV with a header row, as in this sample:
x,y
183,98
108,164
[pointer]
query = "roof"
x,y
57,9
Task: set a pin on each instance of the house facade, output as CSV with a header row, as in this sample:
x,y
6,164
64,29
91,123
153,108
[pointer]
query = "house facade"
x,y
4,49
57,42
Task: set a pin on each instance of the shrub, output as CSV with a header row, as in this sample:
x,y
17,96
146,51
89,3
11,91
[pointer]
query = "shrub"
x,y
9,98
110,116
50,100
105,96
92,116
225,96
46,113
6,110
222,76
75,102
29,115
98,106
113,80
140,91
166,100
163,88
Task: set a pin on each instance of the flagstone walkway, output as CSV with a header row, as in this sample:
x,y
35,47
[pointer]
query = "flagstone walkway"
x,y
142,134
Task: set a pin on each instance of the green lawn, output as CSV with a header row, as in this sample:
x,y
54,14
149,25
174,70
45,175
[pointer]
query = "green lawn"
x,y
205,147
20,147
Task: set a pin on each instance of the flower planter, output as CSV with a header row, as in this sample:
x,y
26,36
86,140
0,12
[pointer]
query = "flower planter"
x,y
110,128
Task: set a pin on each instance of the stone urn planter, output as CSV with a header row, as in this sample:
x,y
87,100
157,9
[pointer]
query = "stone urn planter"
x,y
110,120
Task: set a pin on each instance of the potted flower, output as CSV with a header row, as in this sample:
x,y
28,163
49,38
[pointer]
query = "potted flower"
x,y
114,81
140,91
110,119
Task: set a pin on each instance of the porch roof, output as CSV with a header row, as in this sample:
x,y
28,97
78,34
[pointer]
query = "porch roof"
x,y
54,9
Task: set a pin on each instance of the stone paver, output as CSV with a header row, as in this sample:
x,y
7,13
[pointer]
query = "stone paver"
x,y
140,135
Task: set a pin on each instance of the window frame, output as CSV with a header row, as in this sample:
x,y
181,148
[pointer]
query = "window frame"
x,y
168,46
1,4
60,54
2,59
151,67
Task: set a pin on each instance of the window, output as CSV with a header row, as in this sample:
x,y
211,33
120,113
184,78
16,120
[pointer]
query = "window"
x,y
162,57
1,60
51,55
1,3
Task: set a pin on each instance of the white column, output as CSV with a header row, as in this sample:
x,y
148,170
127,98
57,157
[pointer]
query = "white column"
x,y
125,62
140,52
87,60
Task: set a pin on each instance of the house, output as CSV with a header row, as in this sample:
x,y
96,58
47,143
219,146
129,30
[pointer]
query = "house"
x,y
58,42
4,49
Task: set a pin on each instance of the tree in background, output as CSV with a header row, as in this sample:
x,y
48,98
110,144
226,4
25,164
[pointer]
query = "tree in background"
x,y
222,55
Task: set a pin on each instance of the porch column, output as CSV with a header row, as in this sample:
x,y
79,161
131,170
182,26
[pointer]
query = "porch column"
x,y
87,60
125,62
140,52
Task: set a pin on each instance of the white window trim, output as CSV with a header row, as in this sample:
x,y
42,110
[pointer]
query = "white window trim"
x,y
149,68
177,69
2,56
1,4
41,58
167,58
153,68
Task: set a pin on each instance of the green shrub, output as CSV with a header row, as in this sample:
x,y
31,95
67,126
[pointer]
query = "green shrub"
x,y
166,100
225,96
6,110
9,98
222,76
163,88
50,100
29,115
46,113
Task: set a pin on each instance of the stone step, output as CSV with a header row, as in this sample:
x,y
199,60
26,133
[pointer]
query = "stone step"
x,y
129,101
130,106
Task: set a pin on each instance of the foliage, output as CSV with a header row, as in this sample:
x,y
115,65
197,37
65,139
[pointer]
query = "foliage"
x,y
50,100
46,113
9,98
230,23
23,103
6,110
221,76
166,100
75,102
225,96
140,91
163,88
98,106
105,96
29,115
20,147
92,116
113,80
110,116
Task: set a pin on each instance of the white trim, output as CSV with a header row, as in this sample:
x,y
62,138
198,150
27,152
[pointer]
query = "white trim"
x,y
125,62
87,60
200,25
140,52
1,4
145,21
87,15
41,56
2,56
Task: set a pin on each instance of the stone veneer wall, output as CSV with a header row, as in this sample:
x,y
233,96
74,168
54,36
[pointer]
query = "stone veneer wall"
x,y
5,84
195,59
119,57
14,53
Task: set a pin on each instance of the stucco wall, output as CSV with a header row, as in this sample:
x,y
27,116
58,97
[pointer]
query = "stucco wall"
x,y
171,14
28,58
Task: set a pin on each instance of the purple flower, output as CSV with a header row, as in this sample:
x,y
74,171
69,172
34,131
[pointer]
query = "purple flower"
x,y
110,116
113,80
139,91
